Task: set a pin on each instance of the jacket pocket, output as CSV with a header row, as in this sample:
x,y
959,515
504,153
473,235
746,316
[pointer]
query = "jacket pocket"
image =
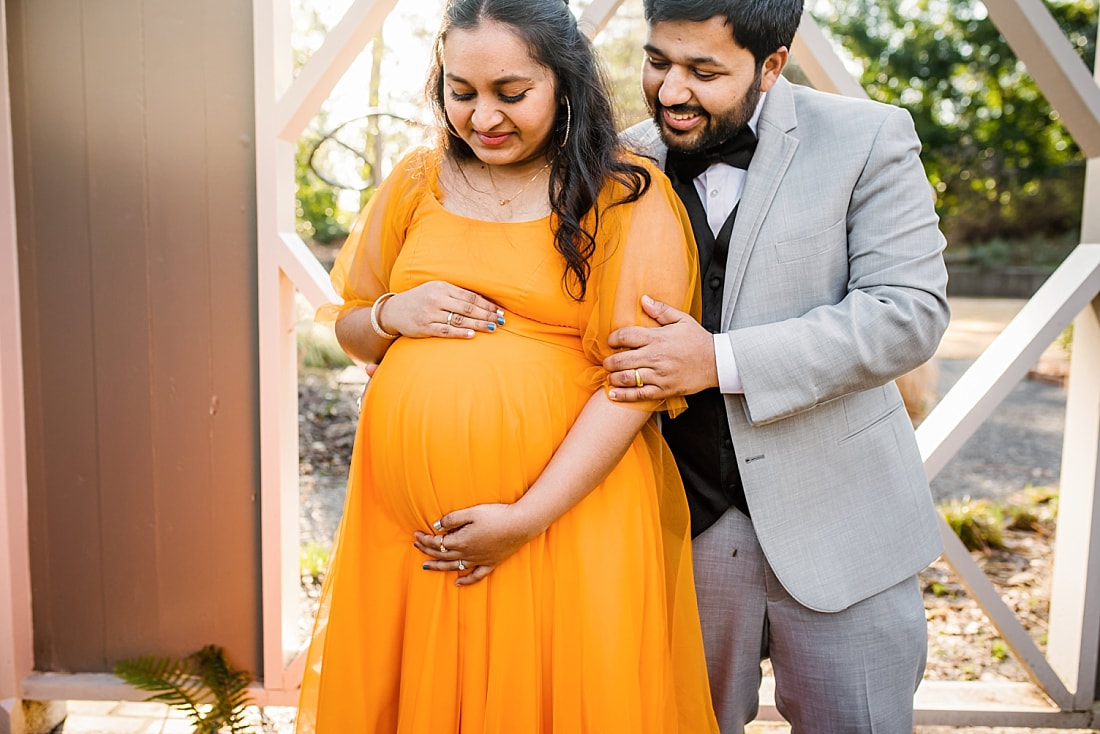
x,y
806,246
876,421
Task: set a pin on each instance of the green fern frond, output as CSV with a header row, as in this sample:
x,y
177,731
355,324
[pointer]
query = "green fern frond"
x,y
204,686
171,681
228,685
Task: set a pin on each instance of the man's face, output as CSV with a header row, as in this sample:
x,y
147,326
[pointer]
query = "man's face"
x,y
700,84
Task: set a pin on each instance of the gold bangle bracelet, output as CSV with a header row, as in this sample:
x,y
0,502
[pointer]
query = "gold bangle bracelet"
x,y
374,316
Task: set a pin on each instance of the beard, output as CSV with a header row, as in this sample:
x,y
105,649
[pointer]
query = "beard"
x,y
718,127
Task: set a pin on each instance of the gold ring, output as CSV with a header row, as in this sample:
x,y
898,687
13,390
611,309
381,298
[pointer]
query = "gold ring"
x,y
450,315
438,526
461,565
638,379
442,548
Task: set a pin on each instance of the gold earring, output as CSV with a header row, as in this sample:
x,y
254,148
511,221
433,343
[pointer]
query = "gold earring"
x,y
568,121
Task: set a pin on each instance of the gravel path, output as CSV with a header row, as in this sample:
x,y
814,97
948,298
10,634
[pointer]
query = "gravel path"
x,y
1019,445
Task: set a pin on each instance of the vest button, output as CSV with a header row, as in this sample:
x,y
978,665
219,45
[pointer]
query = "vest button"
x,y
716,282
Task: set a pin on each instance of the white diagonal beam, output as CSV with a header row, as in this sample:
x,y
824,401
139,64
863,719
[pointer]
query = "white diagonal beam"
x,y
970,402
315,81
304,270
596,15
1015,635
1017,349
817,56
1055,66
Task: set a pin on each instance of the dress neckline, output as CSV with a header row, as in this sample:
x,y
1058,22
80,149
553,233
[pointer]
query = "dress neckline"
x,y
434,196
435,193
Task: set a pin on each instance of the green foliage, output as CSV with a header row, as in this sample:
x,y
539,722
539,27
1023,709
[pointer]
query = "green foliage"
x,y
203,685
980,523
938,589
998,649
619,47
319,214
1001,161
318,347
1065,339
313,560
977,522
1039,250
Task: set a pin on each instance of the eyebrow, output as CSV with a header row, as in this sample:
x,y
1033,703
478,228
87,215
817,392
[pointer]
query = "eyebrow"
x,y
497,82
693,61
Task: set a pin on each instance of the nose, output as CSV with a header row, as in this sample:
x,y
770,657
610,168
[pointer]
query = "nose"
x,y
674,89
486,114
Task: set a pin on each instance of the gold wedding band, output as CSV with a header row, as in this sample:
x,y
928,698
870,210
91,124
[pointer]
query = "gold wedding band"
x,y
438,526
450,315
461,565
638,379
442,548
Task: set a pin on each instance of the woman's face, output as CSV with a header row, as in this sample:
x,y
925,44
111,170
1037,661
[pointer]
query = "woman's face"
x,y
498,99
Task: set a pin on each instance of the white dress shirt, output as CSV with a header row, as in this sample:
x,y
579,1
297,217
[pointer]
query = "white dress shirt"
x,y
719,189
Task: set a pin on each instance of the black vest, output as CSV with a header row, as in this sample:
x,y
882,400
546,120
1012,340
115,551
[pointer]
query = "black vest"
x,y
700,436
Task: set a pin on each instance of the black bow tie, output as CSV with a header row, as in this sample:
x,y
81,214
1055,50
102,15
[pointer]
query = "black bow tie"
x,y
737,152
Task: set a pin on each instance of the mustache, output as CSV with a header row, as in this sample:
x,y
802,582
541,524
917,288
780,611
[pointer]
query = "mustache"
x,y
683,109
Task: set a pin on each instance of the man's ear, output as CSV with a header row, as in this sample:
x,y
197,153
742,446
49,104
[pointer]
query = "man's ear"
x,y
772,67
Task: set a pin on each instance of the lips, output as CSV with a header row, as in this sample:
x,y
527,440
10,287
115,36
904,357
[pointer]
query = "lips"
x,y
492,139
682,120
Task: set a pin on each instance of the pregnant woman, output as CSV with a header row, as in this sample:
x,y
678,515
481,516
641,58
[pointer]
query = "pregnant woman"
x,y
483,279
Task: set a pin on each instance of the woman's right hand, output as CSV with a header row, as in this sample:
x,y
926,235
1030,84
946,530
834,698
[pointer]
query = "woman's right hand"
x,y
438,308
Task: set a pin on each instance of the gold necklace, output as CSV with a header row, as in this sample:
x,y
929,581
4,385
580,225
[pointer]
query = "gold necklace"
x,y
506,202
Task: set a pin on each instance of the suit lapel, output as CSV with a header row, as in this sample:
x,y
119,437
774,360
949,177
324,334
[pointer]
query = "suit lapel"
x,y
774,152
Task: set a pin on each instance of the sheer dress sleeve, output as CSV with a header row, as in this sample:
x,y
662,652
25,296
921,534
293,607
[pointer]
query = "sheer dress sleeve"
x,y
645,247
361,272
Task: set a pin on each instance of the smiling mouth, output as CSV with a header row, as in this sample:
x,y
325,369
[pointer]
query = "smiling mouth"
x,y
681,121
491,138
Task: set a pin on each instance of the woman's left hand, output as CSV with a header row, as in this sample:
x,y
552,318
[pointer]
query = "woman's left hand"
x,y
474,541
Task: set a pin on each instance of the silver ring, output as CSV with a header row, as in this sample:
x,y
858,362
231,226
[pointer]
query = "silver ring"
x,y
461,565
442,548
450,315
438,525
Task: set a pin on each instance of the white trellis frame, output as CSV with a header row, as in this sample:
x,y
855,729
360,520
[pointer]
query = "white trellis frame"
x,y
15,582
1066,675
284,106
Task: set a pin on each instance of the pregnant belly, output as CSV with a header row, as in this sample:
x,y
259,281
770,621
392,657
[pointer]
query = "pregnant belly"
x,y
452,423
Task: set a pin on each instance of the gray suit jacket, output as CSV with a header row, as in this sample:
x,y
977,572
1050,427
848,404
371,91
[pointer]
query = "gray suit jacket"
x,y
835,286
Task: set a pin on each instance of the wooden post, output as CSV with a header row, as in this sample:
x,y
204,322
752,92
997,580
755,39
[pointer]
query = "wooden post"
x,y
15,586
1074,639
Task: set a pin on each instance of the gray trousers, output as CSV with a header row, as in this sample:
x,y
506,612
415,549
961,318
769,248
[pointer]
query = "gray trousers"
x,y
841,673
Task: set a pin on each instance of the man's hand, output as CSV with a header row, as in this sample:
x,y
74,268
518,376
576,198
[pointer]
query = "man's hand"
x,y
676,358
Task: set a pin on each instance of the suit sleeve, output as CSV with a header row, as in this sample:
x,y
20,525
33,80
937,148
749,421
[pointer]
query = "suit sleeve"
x,y
894,311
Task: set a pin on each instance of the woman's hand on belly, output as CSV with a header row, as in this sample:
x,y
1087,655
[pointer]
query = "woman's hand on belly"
x,y
438,308
476,539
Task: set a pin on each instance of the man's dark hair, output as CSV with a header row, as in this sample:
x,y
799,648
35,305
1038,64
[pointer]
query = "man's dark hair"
x,y
761,26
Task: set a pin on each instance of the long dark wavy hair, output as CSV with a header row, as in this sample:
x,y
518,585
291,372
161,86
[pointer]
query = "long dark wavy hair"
x,y
590,156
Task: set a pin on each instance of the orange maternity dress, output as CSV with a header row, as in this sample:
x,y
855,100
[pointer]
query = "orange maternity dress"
x,y
590,627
